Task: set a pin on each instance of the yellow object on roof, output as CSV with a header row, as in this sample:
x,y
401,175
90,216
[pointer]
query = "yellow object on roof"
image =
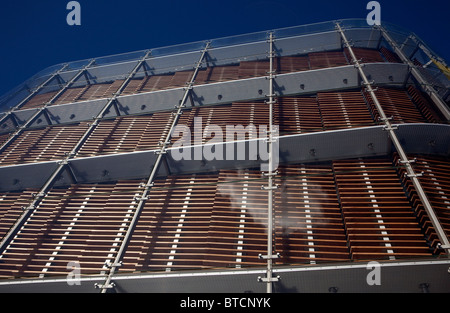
x,y
444,69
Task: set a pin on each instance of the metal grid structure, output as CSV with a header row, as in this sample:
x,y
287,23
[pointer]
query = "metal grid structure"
x,y
89,177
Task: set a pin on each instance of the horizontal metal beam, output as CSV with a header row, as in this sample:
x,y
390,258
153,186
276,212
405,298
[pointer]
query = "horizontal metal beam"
x,y
395,277
429,139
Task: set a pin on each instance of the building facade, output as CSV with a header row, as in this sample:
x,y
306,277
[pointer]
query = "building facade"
x,y
293,160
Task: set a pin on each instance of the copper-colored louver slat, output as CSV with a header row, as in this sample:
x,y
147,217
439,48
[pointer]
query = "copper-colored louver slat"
x,y
298,115
71,95
390,56
11,204
171,232
38,100
44,144
424,105
127,134
83,223
158,82
377,214
292,64
253,69
365,55
237,232
155,131
343,110
26,252
223,73
436,183
134,86
309,225
326,59
144,237
396,104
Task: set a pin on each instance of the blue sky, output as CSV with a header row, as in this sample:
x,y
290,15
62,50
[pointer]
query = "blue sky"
x,y
35,34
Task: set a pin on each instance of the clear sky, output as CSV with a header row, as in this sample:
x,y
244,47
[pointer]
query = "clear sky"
x,y
35,34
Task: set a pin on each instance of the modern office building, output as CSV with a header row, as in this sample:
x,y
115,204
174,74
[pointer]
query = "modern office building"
x,y
306,159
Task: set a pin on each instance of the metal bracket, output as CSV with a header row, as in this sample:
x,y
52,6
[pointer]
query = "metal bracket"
x,y
390,128
39,194
110,264
28,208
140,198
271,174
441,246
384,119
269,188
144,185
408,161
164,151
265,257
109,286
268,279
271,102
413,175
369,83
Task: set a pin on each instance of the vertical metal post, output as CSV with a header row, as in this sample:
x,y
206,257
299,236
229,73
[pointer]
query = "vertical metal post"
x,y
445,244
149,184
269,279
440,104
62,165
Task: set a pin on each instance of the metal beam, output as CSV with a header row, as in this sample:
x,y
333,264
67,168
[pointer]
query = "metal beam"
x,y
403,157
149,184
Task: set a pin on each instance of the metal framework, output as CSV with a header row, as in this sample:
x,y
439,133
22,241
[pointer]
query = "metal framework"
x,y
34,92
63,164
441,105
149,184
390,128
43,109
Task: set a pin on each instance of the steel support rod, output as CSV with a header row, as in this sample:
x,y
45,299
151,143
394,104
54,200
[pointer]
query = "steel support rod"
x,y
62,166
269,279
441,105
396,142
42,110
149,183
